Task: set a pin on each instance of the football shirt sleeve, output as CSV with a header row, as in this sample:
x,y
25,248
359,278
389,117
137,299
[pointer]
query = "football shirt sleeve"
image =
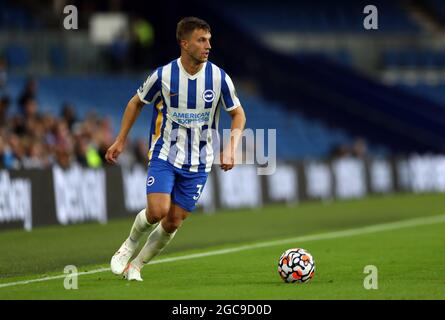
x,y
229,97
150,89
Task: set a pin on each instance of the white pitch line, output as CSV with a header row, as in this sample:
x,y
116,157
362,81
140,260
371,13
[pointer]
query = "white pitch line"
x,y
321,236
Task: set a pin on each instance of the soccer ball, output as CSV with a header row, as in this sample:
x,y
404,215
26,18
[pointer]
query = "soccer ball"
x,y
296,265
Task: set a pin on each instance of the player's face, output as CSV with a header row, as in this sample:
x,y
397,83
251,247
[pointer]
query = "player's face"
x,y
198,45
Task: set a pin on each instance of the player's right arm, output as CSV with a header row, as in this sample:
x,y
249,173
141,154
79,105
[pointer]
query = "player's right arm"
x,y
131,113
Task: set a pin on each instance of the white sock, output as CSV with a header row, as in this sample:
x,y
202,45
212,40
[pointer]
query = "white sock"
x,y
139,228
156,242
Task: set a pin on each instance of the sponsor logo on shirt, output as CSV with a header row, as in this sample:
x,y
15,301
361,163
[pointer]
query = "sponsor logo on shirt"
x,y
189,117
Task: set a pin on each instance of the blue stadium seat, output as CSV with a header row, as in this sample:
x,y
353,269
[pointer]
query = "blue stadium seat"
x,y
320,16
17,56
57,57
432,92
412,58
16,18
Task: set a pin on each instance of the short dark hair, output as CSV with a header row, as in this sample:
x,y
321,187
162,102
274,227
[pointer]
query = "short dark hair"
x,y
187,25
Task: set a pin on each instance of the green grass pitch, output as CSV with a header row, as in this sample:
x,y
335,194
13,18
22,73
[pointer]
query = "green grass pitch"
x,y
410,259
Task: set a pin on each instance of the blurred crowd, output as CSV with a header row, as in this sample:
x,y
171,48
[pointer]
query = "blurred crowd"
x,y
31,139
357,149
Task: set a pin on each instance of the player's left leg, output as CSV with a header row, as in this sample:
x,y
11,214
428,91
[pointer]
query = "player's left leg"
x,y
157,241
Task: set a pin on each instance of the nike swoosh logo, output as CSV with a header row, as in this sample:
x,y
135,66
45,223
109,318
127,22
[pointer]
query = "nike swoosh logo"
x,y
173,94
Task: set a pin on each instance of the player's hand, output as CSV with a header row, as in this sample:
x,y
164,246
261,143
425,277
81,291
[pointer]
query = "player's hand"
x,y
227,160
114,151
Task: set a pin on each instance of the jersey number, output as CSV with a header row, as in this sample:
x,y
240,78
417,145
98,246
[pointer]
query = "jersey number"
x,y
199,186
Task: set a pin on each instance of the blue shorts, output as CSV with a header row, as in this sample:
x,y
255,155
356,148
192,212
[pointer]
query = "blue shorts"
x,y
184,187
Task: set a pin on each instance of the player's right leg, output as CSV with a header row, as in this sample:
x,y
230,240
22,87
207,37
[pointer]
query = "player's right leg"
x,y
159,185
125,252
145,222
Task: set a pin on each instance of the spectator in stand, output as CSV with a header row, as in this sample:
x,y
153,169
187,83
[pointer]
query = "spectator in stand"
x,y
33,140
62,156
104,137
17,152
141,151
3,76
80,150
69,115
359,148
34,158
23,124
4,106
4,152
62,135
340,151
29,92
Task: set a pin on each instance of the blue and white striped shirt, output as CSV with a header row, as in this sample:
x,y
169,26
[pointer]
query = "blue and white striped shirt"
x,y
186,115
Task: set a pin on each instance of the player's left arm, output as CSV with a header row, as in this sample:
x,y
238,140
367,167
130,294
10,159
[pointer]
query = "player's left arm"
x,y
236,130
233,106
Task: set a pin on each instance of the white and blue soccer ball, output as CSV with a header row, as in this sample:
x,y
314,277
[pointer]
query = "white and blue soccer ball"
x,y
296,265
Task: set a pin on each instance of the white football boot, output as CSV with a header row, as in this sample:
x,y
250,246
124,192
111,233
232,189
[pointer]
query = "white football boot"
x,y
120,259
132,272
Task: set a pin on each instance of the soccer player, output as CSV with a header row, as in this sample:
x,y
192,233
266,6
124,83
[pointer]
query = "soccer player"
x,y
186,94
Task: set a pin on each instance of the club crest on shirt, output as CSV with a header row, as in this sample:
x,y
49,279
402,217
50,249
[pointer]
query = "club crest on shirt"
x,y
208,95
150,181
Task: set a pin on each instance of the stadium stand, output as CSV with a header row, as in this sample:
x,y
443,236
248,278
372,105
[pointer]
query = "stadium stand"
x,y
298,137
414,59
17,56
321,16
308,124
13,17
438,7
432,92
